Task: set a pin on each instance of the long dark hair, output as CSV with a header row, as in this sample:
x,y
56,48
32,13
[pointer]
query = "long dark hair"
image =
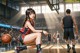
x,y
28,12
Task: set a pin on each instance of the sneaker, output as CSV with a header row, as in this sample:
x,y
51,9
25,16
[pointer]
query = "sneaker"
x,y
39,52
68,49
18,49
74,51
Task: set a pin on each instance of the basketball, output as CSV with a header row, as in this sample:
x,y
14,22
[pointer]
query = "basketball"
x,y
6,38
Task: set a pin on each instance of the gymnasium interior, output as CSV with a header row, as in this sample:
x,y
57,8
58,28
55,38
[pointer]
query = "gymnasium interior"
x,y
49,14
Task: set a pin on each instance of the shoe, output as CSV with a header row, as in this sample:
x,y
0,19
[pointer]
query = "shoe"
x,y
18,49
68,49
39,51
74,51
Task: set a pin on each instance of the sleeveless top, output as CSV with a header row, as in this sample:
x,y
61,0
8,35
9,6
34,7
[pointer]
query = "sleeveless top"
x,y
26,31
68,22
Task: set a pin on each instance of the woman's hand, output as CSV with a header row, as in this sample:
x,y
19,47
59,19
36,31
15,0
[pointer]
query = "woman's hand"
x,y
45,32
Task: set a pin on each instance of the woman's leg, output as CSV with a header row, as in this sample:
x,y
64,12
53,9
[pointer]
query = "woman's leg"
x,y
31,38
34,37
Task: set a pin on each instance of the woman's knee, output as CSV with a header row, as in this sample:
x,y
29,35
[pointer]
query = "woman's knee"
x,y
38,34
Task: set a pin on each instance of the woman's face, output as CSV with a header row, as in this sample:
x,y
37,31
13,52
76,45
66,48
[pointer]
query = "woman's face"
x,y
32,16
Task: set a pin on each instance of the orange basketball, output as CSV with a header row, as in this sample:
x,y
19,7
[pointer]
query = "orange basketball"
x,y
6,38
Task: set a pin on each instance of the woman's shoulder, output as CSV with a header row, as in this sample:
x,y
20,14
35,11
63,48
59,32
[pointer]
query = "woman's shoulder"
x,y
28,21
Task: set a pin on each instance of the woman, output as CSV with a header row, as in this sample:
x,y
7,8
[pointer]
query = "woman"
x,y
29,33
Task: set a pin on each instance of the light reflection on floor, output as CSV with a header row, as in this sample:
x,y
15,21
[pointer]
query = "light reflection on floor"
x,y
50,49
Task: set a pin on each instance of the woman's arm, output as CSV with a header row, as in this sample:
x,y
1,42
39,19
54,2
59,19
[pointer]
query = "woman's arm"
x,y
28,24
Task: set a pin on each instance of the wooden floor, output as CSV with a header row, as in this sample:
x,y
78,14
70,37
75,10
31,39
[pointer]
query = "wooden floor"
x,y
48,49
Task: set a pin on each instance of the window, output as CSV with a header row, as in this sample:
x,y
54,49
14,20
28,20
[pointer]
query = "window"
x,y
69,6
46,9
23,10
76,7
61,8
38,9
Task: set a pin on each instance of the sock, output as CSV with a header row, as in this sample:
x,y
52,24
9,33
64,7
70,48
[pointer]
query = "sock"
x,y
68,45
73,46
38,48
68,48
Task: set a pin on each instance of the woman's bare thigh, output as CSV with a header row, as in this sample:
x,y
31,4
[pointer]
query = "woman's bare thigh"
x,y
30,38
